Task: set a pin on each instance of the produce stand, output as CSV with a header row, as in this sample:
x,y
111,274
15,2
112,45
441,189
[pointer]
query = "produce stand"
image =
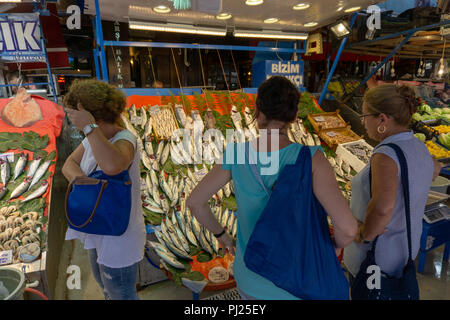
x,y
37,140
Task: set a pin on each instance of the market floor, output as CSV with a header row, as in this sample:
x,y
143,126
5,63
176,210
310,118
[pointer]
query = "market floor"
x,y
434,283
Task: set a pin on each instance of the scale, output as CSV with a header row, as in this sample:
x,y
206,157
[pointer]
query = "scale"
x,y
442,212
435,209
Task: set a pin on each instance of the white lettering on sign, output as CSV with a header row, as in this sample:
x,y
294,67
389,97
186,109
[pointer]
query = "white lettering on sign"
x,y
297,80
286,68
7,37
24,37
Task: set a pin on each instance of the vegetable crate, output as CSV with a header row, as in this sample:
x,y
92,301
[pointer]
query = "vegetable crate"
x,y
334,137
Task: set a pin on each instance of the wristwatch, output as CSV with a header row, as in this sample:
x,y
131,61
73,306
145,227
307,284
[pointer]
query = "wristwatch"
x,y
89,128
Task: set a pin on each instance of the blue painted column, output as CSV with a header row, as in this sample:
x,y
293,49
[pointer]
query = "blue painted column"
x,y
336,61
100,44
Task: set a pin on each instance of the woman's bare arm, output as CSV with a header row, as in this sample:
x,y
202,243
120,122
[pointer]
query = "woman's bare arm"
x,y
327,191
71,168
197,202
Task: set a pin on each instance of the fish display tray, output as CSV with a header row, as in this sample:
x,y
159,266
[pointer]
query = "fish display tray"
x,y
334,137
321,121
172,122
434,198
351,158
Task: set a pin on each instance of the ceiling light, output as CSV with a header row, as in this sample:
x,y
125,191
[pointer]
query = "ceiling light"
x,y
352,9
254,2
10,0
271,20
301,6
340,9
341,29
161,9
172,27
311,24
223,16
270,34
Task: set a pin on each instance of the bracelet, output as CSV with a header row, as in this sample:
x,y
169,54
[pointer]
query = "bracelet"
x,y
218,235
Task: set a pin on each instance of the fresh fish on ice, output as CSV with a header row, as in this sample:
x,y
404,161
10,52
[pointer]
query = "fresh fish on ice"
x,y
22,188
20,165
5,171
34,166
38,192
40,172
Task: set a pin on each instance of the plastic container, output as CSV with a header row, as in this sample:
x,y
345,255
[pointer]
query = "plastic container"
x,y
14,282
440,185
351,158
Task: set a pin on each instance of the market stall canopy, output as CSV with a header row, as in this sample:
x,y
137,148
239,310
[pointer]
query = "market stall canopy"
x,y
320,12
426,44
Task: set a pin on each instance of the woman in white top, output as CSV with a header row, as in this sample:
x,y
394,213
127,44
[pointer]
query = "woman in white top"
x,y
94,107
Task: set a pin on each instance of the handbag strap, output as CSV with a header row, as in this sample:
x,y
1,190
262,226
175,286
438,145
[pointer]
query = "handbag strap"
x,y
254,168
405,183
69,190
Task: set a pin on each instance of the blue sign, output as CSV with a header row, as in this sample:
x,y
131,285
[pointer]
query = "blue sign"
x,y
293,70
20,37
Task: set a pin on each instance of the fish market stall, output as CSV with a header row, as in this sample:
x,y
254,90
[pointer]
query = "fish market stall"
x,y
29,126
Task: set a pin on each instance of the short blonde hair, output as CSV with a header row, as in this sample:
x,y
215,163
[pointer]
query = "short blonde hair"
x,y
104,101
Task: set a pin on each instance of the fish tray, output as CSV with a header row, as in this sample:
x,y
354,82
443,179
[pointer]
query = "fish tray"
x,y
334,137
326,120
351,158
171,122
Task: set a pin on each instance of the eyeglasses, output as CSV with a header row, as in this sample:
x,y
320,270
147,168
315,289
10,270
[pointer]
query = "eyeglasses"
x,y
363,116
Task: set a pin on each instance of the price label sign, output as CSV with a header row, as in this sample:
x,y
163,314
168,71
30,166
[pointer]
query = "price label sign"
x,y
332,134
6,257
319,119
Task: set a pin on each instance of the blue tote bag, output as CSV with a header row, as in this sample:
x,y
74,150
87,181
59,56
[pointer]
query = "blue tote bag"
x,y
99,204
291,243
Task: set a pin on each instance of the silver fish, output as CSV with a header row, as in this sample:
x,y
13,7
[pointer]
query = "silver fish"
x,y
175,197
205,244
180,115
144,117
196,228
165,187
170,182
165,154
227,190
176,157
153,177
34,166
165,233
154,163
234,229
146,161
190,234
174,236
40,172
3,191
128,125
38,192
230,223
159,150
152,206
21,188
164,203
179,253
220,194
20,165
248,116
170,259
180,221
213,241
156,195
182,238
5,171
225,216
148,146
192,176
236,117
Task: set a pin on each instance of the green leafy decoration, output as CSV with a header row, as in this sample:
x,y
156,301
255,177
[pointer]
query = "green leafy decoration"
x,y
36,205
204,257
193,276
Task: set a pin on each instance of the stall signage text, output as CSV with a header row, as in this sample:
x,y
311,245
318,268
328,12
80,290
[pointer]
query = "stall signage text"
x,y
293,70
20,34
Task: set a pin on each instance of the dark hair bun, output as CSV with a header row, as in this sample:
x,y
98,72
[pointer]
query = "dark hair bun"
x,y
412,102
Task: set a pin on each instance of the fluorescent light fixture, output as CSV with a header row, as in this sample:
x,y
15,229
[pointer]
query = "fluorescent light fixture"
x,y
11,1
224,16
270,34
161,9
254,2
352,9
301,6
179,28
340,9
271,20
341,29
311,24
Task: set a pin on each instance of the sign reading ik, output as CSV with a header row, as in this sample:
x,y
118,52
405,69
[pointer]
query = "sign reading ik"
x,y
20,33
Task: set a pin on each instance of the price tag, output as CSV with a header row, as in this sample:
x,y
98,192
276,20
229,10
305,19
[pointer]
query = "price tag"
x,y
9,156
200,174
319,119
332,134
6,257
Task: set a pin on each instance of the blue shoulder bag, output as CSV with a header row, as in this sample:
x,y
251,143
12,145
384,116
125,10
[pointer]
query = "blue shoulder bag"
x,y
99,204
391,288
291,244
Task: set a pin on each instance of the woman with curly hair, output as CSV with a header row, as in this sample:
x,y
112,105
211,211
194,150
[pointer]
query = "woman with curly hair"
x,y
94,107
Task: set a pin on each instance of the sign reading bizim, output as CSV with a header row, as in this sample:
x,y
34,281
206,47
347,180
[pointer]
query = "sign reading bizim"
x,y
293,70
20,37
